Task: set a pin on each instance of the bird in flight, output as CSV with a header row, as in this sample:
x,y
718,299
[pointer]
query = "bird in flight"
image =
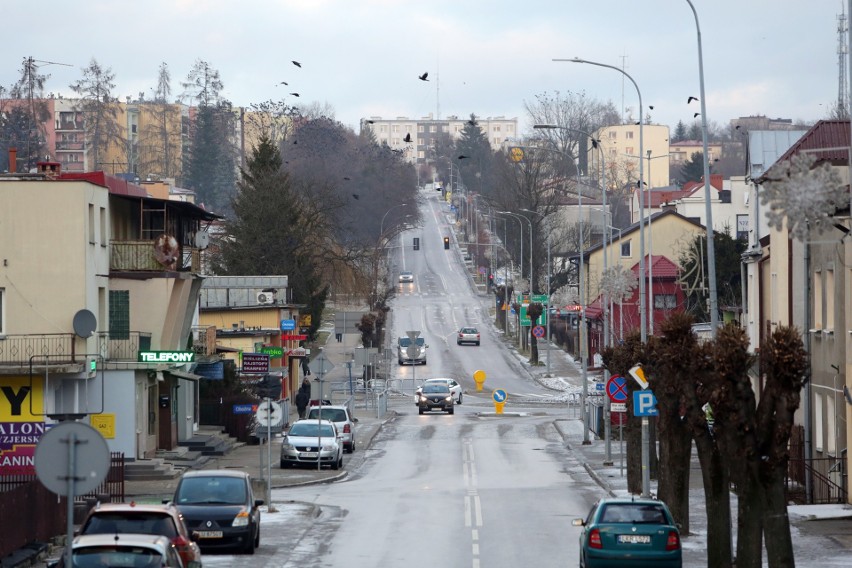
x,y
651,107
423,76
690,99
297,64
356,196
283,83
295,94
696,115
407,138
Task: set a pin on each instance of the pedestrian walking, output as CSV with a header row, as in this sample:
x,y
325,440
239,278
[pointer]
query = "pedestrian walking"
x,y
303,397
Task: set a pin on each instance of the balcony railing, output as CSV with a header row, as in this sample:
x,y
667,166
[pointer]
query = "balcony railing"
x,y
204,340
19,349
123,347
139,256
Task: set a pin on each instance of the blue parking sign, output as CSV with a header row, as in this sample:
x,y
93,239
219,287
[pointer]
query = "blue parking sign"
x,y
644,403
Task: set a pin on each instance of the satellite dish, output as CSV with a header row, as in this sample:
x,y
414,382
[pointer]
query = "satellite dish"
x,y
202,239
85,323
166,250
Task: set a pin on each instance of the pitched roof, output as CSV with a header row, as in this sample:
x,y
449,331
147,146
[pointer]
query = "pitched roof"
x,y
830,139
716,182
635,227
661,267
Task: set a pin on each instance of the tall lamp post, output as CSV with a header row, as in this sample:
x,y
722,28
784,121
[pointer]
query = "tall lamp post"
x,y
708,210
642,307
519,217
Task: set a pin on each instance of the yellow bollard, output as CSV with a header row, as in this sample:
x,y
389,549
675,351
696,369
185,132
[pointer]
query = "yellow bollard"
x,y
498,407
479,378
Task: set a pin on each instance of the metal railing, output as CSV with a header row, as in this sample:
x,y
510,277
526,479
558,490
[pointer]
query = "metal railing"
x,y
117,347
19,349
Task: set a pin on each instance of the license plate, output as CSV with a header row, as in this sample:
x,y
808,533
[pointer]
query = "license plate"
x,y
308,455
209,534
634,538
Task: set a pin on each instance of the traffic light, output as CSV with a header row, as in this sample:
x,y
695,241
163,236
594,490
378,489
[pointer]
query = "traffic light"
x,y
446,242
416,243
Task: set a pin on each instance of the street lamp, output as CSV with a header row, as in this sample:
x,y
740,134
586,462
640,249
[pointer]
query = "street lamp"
x,y
708,210
382,224
531,258
642,307
521,235
646,469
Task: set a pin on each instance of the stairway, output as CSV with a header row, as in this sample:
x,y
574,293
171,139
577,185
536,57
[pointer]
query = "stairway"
x,y
189,454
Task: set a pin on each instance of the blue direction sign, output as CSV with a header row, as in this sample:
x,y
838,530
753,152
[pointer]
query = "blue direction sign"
x,y
616,388
644,403
244,408
287,325
499,395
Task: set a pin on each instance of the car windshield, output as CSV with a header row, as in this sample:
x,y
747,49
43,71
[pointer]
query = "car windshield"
x,y
634,513
405,341
332,414
130,522
312,430
436,388
131,556
211,490
468,330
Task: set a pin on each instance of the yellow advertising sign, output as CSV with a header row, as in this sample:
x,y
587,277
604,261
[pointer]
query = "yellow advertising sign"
x,y
21,424
305,320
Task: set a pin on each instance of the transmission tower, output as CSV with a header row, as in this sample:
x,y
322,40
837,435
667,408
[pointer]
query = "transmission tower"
x,y
842,50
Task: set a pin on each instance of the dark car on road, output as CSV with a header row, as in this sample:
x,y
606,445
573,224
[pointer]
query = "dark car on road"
x,y
629,532
219,505
436,396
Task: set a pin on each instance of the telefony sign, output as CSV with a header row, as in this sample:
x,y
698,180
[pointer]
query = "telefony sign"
x,y
166,357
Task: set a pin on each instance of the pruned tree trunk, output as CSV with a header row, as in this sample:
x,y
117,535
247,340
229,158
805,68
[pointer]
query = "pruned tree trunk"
x,y
675,453
717,500
749,524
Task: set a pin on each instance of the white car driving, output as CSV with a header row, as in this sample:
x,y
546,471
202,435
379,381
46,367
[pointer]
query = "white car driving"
x,y
454,386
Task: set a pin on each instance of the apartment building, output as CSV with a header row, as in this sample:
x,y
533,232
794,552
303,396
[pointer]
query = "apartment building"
x,y
417,138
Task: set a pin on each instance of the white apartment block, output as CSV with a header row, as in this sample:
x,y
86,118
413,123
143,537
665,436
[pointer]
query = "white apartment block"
x,y
417,138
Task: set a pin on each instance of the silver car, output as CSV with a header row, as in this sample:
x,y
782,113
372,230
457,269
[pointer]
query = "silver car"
x,y
406,277
342,418
311,441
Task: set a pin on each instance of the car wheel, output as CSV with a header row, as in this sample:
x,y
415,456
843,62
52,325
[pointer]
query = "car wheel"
x,y
399,361
460,398
283,464
336,465
458,342
420,410
248,548
352,446
451,411
257,539
477,344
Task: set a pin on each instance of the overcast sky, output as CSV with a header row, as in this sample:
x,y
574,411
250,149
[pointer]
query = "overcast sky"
x,y
776,58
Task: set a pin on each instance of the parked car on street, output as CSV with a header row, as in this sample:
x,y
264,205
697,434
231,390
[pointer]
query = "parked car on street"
x,y
219,504
435,396
627,532
468,335
311,441
452,384
145,550
165,520
343,420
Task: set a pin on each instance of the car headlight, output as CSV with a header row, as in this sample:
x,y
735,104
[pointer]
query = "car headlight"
x,y
449,398
328,447
242,519
287,446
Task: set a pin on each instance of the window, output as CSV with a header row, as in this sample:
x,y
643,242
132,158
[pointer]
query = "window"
x,y
119,314
629,151
496,128
104,237
818,300
625,250
419,128
629,135
91,224
831,426
829,299
819,427
395,128
433,128
611,134
2,312
665,301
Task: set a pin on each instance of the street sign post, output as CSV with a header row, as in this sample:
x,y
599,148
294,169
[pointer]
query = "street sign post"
x,y
616,389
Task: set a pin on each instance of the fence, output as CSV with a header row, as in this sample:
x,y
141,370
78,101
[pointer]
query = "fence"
x,y
39,514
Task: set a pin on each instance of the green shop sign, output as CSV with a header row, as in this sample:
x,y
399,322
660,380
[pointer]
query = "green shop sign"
x,y
272,351
166,357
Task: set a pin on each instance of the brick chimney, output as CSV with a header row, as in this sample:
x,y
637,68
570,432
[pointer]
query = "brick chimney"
x,y
51,170
13,160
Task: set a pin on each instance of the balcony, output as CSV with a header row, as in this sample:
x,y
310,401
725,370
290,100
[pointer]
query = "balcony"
x,y
64,146
139,256
204,340
60,348
123,347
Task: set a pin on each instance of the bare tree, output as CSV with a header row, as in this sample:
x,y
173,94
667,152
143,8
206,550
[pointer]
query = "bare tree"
x,y
100,111
160,135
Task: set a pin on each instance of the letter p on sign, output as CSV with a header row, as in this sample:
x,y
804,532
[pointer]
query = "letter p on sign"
x,y
644,403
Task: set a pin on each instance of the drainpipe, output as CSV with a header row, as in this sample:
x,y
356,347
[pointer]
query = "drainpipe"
x,y
13,160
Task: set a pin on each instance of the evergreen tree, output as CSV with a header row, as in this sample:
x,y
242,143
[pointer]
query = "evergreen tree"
x,y
276,230
474,156
680,132
22,118
692,169
210,167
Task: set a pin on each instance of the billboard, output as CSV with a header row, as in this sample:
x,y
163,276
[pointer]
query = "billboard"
x,y
21,424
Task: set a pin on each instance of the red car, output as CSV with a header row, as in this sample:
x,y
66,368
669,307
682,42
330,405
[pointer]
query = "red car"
x,y
125,518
